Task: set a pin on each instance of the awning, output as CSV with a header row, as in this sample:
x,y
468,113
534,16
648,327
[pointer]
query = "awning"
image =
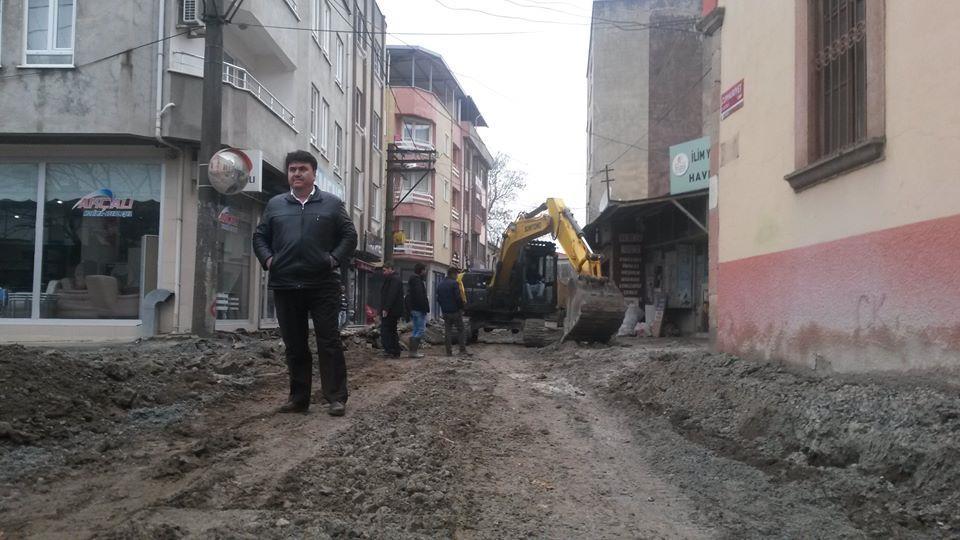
x,y
617,206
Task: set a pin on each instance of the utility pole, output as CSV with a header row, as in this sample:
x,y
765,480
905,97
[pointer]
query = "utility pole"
x,y
403,157
206,268
606,171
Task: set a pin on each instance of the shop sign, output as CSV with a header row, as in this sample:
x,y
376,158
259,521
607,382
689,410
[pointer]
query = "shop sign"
x,y
690,166
102,203
229,221
254,160
731,100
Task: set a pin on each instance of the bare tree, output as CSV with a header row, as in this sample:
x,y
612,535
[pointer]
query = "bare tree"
x,y
503,185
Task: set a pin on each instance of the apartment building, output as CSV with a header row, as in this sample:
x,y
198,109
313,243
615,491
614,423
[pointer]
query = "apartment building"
x,y
442,213
838,211
646,71
99,142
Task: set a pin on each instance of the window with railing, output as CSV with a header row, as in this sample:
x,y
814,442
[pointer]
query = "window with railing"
x,y
840,65
324,125
840,96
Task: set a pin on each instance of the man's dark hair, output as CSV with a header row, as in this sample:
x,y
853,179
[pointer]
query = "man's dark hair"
x,y
418,268
300,156
452,272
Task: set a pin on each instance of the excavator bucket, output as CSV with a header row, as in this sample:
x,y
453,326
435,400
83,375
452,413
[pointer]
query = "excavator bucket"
x,y
595,310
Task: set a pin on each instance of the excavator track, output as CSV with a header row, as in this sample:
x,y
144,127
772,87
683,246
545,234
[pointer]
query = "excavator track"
x,y
595,310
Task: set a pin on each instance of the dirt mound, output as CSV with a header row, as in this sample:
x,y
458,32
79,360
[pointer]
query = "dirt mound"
x,y
56,398
885,450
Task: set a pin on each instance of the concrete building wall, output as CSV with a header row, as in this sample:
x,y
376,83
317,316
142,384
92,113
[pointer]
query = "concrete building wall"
x,y
109,96
642,95
859,272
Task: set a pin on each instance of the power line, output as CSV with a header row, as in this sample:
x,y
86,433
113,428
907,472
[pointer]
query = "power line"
x,y
616,23
639,26
98,60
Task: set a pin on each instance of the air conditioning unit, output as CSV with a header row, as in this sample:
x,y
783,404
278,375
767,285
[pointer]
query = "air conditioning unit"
x,y
190,12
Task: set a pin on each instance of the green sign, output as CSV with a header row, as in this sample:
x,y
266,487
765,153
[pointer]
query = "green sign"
x,y
690,166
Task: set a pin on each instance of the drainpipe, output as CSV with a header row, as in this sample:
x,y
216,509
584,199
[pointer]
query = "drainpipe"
x,y
158,133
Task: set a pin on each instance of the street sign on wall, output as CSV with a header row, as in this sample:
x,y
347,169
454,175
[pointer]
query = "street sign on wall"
x,y
731,100
690,166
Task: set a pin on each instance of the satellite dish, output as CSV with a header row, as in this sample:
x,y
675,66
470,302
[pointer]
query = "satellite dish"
x,y
229,171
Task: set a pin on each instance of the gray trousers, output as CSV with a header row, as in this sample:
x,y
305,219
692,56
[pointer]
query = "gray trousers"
x,y
451,320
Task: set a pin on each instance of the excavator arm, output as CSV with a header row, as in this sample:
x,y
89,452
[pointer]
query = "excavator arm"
x,y
595,306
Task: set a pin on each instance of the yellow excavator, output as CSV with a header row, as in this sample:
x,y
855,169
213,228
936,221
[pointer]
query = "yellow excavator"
x,y
521,294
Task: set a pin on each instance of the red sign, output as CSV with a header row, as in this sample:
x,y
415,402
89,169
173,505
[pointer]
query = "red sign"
x,y
731,100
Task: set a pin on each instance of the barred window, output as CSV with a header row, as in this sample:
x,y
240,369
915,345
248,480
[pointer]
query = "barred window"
x,y
840,74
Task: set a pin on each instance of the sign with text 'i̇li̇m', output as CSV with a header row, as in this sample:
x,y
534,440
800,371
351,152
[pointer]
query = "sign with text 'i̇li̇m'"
x,y
690,166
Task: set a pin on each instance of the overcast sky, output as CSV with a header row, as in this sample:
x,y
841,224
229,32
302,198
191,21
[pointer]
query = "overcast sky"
x,y
530,86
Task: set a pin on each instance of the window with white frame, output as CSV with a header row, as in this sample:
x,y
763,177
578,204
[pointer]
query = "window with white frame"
x,y
377,128
314,115
417,130
359,109
446,190
316,20
338,155
341,61
417,230
324,125
375,203
292,4
446,236
327,28
412,180
50,32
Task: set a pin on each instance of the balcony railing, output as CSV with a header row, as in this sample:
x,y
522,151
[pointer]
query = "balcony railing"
x,y
455,215
237,77
415,247
456,171
416,197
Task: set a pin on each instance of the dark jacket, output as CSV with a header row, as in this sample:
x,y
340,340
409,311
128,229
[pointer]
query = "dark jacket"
x,y
391,296
302,238
448,296
417,293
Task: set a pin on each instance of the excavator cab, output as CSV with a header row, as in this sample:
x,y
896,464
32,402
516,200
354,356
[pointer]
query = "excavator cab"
x,y
537,273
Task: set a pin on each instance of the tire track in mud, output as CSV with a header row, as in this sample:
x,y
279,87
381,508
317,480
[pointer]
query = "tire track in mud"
x,y
219,454
558,465
394,469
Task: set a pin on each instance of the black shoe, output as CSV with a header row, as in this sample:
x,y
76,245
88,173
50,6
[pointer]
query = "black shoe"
x,y
293,407
337,409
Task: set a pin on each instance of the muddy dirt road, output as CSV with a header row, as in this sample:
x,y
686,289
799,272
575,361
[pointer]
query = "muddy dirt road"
x,y
644,440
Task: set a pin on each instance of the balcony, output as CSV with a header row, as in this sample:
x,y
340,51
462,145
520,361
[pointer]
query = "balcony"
x,y
415,248
237,77
477,225
416,197
455,215
455,171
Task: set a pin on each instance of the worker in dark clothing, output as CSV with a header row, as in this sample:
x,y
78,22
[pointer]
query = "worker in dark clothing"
x,y
450,298
304,238
391,309
419,308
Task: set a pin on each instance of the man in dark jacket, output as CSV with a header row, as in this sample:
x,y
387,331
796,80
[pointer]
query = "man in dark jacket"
x,y
304,238
419,307
391,309
450,298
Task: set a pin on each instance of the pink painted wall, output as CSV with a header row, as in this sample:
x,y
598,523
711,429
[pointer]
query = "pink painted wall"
x,y
888,300
415,210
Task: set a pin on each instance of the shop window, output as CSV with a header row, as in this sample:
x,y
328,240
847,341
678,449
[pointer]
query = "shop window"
x,y
97,220
235,228
18,221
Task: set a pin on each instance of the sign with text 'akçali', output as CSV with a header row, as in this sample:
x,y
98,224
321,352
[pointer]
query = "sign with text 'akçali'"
x,y
690,166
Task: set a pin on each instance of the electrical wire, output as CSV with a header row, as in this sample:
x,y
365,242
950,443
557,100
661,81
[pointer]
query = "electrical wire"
x,y
98,60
